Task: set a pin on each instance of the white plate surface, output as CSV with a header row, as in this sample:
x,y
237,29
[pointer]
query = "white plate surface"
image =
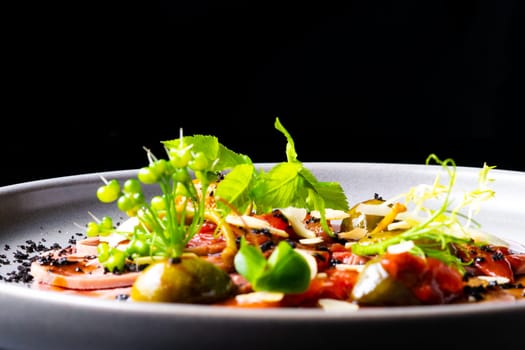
x,y
53,209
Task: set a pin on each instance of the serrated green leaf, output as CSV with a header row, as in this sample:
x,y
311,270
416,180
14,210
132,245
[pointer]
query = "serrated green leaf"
x,y
234,189
221,156
228,159
333,195
278,187
331,192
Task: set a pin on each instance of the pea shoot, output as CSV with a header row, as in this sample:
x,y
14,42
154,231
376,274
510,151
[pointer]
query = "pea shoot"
x,y
168,221
202,180
441,232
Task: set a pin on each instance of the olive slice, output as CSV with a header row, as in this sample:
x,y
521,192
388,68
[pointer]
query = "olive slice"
x,y
185,280
356,219
375,287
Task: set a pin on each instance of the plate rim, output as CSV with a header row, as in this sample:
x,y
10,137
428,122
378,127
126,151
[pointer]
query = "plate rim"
x,y
387,313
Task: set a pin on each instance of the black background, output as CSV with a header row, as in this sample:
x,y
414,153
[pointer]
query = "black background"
x,y
374,81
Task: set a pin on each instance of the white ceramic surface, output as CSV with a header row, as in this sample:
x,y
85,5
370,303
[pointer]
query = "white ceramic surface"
x,y
53,209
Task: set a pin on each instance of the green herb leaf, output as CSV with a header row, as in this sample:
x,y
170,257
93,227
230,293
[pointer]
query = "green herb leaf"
x,y
220,156
291,154
292,184
331,192
166,227
234,189
436,235
280,187
249,261
285,271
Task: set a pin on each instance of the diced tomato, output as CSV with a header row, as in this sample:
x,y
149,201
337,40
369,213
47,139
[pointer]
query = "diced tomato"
x,y
256,238
430,279
517,261
347,257
322,257
338,247
490,261
274,221
208,227
337,284
202,239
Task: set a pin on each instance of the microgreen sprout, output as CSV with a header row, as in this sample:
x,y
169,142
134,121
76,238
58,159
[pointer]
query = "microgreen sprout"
x,y
201,180
436,234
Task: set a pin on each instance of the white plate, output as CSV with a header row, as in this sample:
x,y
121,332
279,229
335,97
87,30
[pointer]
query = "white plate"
x,y
53,210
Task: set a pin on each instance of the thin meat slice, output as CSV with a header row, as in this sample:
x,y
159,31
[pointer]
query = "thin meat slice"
x,y
119,293
517,261
66,269
88,245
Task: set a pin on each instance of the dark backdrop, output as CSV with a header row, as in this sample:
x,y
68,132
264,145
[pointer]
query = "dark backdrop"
x,y
387,81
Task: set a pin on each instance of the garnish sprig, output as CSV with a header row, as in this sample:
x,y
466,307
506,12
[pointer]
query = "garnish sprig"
x,y
204,180
165,224
436,235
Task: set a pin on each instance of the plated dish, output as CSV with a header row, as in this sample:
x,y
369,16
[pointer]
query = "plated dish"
x,y
56,210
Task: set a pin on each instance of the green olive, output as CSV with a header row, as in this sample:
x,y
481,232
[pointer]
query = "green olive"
x,y
375,287
360,220
185,280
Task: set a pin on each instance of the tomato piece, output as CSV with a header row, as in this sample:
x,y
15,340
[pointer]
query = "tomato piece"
x,y
274,220
322,257
490,260
337,284
208,227
347,257
206,241
517,261
430,279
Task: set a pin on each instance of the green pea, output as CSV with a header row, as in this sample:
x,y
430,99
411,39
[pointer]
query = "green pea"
x,y
132,186
92,229
147,176
179,158
199,162
109,192
181,175
159,167
158,202
126,203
